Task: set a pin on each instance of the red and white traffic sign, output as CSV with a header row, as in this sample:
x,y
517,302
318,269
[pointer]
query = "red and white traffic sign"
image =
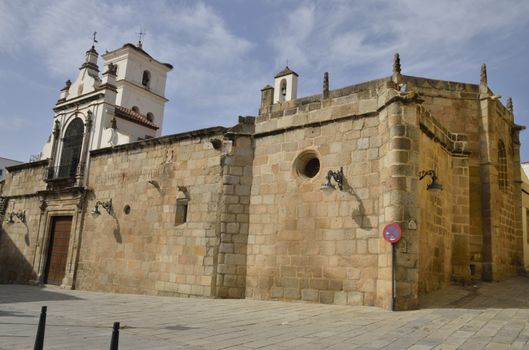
x,y
392,233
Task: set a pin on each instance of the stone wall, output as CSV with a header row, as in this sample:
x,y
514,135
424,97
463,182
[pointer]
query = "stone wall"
x,y
257,223
494,218
234,212
444,216
19,240
146,250
456,106
24,179
436,239
305,243
398,202
507,233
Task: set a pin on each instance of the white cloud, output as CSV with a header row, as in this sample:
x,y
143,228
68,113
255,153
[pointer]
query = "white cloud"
x,y
291,36
218,72
212,65
427,33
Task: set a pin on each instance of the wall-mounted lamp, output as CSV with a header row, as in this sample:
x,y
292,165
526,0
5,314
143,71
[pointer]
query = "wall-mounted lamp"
x,y
106,205
434,185
20,215
337,176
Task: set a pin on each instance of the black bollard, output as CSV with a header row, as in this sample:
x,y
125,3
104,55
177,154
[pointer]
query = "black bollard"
x,y
39,340
115,337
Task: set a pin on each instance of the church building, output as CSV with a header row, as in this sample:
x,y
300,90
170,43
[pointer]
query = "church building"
x,y
371,194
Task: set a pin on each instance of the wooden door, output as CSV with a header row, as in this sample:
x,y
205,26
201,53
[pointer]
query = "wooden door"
x,y
58,249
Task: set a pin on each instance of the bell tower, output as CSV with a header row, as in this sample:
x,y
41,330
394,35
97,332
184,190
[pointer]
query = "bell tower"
x,y
140,82
285,85
125,105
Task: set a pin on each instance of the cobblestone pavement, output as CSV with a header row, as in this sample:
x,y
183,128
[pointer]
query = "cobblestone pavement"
x,y
487,316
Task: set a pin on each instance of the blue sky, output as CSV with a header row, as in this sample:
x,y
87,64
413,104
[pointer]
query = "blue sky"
x,y
224,52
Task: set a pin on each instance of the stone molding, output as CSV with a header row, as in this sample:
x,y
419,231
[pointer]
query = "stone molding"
x,y
456,144
217,130
29,165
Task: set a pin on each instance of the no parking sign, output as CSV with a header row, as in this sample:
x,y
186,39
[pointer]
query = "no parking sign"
x,y
392,233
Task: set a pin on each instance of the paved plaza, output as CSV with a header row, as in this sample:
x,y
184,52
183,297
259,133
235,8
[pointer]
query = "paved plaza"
x,y
485,316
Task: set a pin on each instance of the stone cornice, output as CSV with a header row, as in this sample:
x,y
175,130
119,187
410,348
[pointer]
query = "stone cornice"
x,y
441,84
109,87
472,90
138,50
404,99
455,144
18,167
74,190
201,133
92,96
89,65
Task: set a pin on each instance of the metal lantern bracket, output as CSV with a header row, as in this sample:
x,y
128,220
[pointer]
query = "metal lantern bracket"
x,y
338,178
105,205
434,185
20,215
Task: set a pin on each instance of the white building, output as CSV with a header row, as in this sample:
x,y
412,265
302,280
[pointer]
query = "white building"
x,y
125,105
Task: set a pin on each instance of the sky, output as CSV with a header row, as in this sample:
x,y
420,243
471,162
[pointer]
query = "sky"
x,y
224,52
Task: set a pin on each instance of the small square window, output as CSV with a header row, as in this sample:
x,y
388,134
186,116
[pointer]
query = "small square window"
x,y
181,211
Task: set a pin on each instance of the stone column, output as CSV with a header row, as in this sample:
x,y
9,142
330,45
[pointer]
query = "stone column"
x,y
85,149
267,98
486,170
325,93
234,212
399,203
518,258
56,134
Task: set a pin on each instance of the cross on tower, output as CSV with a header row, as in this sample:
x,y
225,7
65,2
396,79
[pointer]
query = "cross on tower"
x,y
94,40
141,34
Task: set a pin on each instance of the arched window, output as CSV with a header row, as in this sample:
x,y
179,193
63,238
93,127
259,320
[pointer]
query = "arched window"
x,y
502,166
146,79
283,90
71,148
150,117
135,109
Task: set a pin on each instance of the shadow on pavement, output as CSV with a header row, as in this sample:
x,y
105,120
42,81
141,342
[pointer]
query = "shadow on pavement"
x,y
12,293
511,293
14,314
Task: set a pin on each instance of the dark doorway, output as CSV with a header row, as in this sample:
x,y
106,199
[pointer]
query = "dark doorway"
x,y
58,250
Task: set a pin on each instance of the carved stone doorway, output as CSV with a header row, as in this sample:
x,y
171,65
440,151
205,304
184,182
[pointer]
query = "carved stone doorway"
x,y
58,250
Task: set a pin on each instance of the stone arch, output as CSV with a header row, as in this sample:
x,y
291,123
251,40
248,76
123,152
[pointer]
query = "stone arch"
x,y
283,90
146,79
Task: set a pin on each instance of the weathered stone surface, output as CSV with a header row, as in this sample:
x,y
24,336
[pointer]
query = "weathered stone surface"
x,y
258,224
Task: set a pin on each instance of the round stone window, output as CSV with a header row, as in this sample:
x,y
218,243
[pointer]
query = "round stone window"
x,y
307,164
